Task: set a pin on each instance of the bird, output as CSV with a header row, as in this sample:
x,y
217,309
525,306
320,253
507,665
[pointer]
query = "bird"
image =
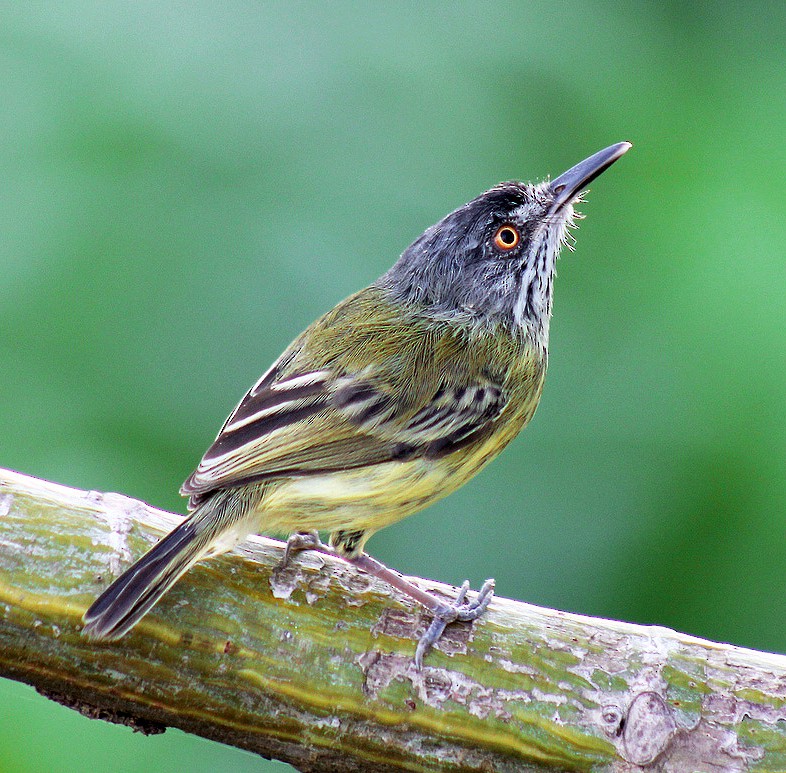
x,y
387,403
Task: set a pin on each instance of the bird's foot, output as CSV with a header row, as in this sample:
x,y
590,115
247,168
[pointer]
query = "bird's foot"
x,y
444,612
458,611
302,540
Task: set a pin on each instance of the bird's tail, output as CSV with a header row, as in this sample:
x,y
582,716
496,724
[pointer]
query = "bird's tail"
x,y
213,527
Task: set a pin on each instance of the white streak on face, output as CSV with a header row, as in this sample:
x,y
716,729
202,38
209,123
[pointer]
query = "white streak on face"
x,y
538,274
527,277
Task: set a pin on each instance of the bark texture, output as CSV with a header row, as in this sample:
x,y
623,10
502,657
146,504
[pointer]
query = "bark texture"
x,y
313,665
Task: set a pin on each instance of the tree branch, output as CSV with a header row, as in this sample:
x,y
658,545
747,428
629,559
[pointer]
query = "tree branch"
x,y
313,665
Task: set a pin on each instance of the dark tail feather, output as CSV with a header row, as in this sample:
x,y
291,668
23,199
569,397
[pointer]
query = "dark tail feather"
x,y
131,596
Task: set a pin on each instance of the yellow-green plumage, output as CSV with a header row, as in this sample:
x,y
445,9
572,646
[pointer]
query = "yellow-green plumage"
x,y
363,489
390,401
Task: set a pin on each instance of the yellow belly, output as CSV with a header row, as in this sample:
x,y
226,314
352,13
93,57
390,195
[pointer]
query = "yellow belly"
x,y
370,498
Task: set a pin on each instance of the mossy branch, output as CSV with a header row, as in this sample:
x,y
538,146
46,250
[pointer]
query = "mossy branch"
x,y
313,665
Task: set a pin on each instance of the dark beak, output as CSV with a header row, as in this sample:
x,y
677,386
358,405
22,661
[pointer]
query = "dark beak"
x,y
568,185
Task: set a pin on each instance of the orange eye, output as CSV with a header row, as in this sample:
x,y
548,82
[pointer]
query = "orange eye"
x,y
507,237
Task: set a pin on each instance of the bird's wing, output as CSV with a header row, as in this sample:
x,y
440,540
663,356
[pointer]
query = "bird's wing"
x,y
315,422
347,414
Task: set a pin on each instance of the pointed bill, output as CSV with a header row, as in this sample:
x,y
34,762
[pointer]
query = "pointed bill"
x,y
569,184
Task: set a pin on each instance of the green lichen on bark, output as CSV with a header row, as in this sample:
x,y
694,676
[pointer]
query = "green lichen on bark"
x,y
313,664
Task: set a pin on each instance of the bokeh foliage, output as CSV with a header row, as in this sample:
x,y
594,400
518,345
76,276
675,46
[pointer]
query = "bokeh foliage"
x,y
186,186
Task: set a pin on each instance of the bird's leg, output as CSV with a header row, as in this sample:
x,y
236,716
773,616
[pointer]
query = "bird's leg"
x,y
444,612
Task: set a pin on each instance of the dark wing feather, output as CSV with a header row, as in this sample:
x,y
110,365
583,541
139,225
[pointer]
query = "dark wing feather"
x,y
312,423
268,407
323,407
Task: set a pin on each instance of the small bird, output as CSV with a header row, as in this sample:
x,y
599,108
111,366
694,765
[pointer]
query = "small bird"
x,y
387,403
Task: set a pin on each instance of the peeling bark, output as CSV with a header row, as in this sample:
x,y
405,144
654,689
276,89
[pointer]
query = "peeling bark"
x,y
313,664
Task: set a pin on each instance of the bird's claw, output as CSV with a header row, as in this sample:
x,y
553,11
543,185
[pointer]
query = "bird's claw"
x,y
458,611
301,540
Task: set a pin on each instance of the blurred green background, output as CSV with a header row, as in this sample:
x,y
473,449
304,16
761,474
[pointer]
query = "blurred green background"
x,y
185,186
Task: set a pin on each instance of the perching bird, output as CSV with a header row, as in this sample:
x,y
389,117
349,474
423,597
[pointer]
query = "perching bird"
x,y
387,403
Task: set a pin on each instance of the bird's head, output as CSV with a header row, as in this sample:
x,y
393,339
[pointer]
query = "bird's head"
x,y
492,260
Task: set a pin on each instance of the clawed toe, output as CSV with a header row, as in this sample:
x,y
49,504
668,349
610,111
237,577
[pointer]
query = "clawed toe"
x,y
301,540
444,612
459,610
475,608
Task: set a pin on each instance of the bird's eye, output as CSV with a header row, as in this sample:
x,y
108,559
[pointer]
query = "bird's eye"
x,y
507,237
